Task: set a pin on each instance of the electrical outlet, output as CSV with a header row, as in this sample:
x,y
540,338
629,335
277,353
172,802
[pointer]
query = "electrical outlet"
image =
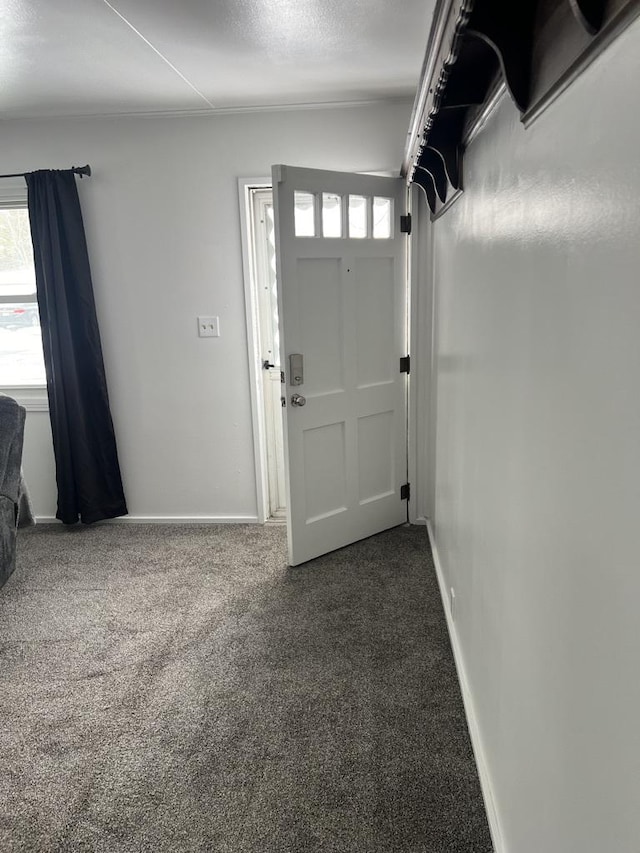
x,y
208,327
452,603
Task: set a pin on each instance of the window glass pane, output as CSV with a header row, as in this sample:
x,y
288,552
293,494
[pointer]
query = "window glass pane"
x,y
304,212
21,359
381,218
357,216
331,215
17,275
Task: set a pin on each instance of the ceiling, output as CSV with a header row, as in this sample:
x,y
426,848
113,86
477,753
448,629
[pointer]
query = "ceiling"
x,y
101,57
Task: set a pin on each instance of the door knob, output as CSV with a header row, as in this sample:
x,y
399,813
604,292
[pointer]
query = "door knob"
x,y
298,400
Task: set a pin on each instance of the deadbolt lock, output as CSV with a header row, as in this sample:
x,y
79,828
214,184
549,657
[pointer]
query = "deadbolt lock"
x,y
296,372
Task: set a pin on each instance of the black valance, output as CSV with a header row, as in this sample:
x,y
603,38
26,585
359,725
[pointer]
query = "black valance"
x,y
533,47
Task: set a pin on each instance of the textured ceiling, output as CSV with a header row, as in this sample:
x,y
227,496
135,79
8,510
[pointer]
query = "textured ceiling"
x,y
86,57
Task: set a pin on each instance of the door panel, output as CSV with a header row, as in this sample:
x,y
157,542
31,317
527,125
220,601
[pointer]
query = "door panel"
x,y
376,468
320,319
324,461
375,300
342,305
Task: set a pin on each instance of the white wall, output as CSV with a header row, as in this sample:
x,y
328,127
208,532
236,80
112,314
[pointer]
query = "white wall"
x,y
162,220
537,276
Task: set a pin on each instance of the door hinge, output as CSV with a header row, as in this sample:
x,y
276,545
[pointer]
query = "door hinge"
x,y
405,224
282,380
405,364
405,492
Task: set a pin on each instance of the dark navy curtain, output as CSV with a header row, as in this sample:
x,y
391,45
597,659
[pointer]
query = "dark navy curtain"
x,y
87,469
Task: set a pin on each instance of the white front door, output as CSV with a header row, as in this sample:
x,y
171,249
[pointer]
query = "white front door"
x,y
341,260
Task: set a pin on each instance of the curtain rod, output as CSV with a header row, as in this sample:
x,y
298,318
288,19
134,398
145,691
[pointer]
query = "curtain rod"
x,y
77,170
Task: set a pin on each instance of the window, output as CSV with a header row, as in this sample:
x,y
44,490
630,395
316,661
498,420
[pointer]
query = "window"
x,y
304,213
357,216
381,218
366,217
331,215
21,358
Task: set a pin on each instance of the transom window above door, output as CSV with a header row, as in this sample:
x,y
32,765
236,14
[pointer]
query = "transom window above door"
x,y
329,215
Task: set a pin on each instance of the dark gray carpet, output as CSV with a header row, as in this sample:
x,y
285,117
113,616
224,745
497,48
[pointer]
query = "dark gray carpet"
x,y
168,688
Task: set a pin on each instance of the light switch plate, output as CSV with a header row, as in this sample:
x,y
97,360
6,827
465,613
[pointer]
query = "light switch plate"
x,y
208,327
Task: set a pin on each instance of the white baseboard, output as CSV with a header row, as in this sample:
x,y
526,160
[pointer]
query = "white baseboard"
x,y
493,819
166,519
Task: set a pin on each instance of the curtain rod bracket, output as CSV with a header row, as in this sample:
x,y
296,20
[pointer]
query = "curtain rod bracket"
x,y
82,171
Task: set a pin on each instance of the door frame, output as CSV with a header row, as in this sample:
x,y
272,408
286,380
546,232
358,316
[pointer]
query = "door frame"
x,y
252,317
420,391
422,343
